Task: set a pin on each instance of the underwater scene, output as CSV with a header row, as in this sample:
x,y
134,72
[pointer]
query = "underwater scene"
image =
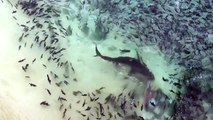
x,y
106,59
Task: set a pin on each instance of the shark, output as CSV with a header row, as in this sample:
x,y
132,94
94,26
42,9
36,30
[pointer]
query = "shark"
x,y
138,68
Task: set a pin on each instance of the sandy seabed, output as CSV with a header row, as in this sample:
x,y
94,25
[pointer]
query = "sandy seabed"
x,y
19,101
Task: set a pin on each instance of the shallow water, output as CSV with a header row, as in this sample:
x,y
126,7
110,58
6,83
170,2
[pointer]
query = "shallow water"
x,y
49,72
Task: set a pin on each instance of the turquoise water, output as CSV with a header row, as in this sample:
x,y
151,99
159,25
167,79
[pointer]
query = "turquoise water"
x,y
153,60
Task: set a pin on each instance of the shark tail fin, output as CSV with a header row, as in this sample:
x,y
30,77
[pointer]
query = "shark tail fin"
x,y
98,54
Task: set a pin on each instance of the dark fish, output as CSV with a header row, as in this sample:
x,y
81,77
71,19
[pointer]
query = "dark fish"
x,y
41,56
152,103
48,91
83,115
59,83
69,31
76,93
31,45
44,65
55,76
14,11
61,106
178,85
48,78
26,35
124,51
44,103
33,85
88,108
84,103
21,37
119,96
21,60
26,66
23,68
34,60
70,106
96,99
84,95
136,66
74,79
14,18
25,44
63,92
101,108
78,101
27,76
19,47
164,79
119,114
110,115
66,83
61,99
64,113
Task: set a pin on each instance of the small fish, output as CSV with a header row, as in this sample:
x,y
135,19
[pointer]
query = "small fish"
x,y
152,103
58,84
21,60
74,79
69,31
83,114
101,108
23,68
178,85
31,45
66,83
88,108
27,76
110,115
119,114
61,106
26,35
141,107
96,99
65,110
172,91
48,78
78,101
34,60
44,65
26,66
48,91
33,85
63,92
55,76
41,56
84,95
19,47
14,11
44,103
14,18
61,99
122,51
76,93
84,103
164,79
70,106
